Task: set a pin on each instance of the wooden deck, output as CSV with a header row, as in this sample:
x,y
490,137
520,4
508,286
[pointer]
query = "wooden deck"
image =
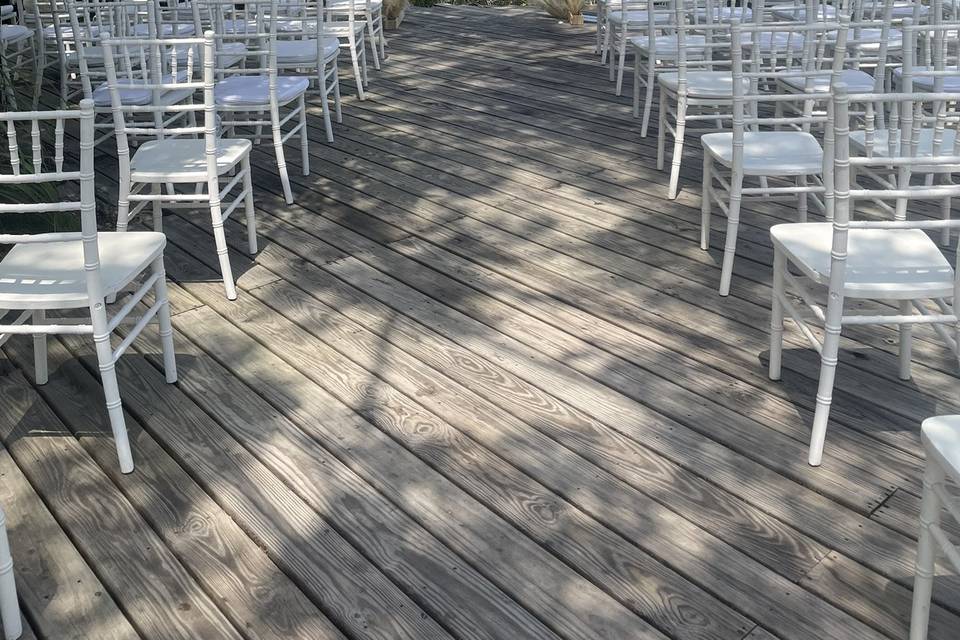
x,y
477,384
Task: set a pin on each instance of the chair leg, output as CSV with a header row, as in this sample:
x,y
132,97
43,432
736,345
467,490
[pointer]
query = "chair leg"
x,y
281,157
163,317
705,203
681,124
636,87
605,48
9,605
41,371
776,314
612,59
325,102
828,371
906,340
111,392
373,43
662,130
336,92
157,208
802,200
220,239
621,63
926,552
733,228
249,209
651,82
123,205
382,39
304,141
357,74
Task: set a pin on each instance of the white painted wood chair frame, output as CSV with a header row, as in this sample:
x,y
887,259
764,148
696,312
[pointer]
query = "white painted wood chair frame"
x,y
259,36
372,15
52,20
923,294
939,436
344,25
683,103
934,40
629,20
9,605
648,59
309,28
776,51
222,183
19,45
90,20
137,266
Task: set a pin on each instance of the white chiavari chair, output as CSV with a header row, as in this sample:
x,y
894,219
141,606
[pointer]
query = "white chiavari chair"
x,y
370,12
253,94
629,20
343,23
656,51
91,21
940,43
941,442
776,153
217,168
304,48
17,44
45,272
699,91
892,264
9,605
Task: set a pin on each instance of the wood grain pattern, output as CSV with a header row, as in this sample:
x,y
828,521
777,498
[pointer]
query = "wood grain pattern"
x,y
248,587
159,596
478,384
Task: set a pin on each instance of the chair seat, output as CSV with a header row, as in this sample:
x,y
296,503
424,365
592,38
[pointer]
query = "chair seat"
x,y
359,6
795,13
250,91
941,438
637,17
6,10
341,29
669,45
50,275
881,142
872,37
769,153
132,96
703,84
66,31
184,160
882,264
305,51
11,33
774,41
725,14
951,83
856,81
181,29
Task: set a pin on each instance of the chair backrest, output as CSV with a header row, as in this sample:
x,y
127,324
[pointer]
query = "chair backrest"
x,y
166,72
93,20
305,20
907,115
247,30
39,169
763,55
931,55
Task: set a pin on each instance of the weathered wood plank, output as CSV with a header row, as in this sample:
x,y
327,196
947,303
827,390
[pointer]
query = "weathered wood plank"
x,y
159,596
348,588
247,586
57,589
